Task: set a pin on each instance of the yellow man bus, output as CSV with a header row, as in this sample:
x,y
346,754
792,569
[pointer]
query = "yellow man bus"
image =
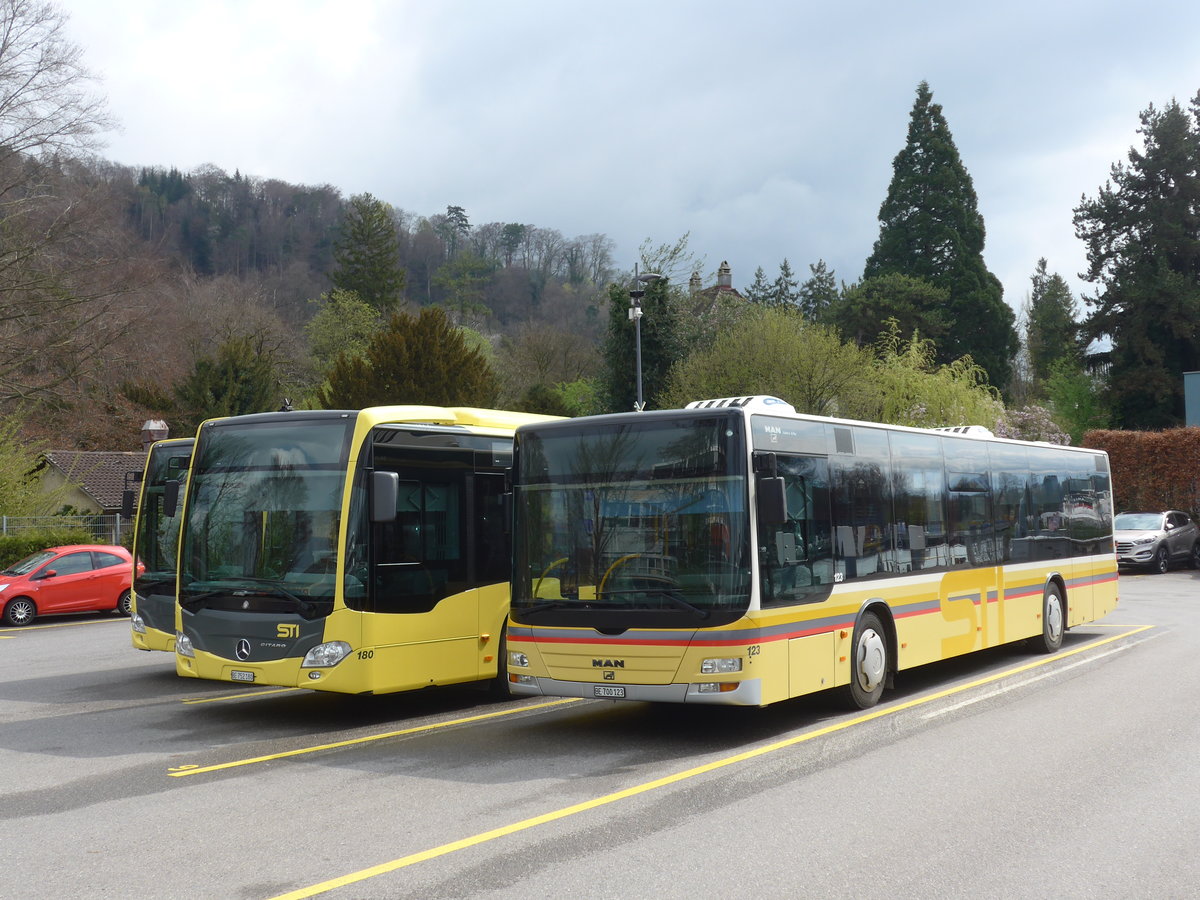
x,y
348,551
736,552
156,544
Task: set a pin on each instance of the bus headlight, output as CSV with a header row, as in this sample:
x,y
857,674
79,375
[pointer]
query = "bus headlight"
x,y
325,655
518,659
136,623
183,645
721,666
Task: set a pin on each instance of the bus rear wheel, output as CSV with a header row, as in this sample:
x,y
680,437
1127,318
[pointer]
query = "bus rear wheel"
x,y
1053,617
868,662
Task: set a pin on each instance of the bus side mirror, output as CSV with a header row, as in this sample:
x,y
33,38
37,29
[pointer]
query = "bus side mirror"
x,y
170,498
772,500
127,504
385,492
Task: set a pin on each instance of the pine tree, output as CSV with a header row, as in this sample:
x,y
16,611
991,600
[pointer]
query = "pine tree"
x,y
453,227
818,293
759,290
784,293
1051,332
931,228
1143,238
240,378
367,254
419,359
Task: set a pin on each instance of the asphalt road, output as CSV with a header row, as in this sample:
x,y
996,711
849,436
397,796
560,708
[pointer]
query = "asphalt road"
x,y
1002,775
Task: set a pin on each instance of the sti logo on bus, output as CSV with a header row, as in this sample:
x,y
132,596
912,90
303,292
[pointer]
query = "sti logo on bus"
x,y
608,663
287,631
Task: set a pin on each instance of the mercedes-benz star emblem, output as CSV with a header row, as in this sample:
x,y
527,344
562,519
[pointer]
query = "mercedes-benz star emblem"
x,y
242,649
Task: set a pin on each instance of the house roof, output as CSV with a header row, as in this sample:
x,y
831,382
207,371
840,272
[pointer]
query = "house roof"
x,y
100,473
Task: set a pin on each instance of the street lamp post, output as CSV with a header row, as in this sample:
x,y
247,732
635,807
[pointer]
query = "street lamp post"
x,y
635,314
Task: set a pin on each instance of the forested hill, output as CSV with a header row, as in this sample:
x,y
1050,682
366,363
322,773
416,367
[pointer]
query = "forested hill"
x,y
212,223
142,275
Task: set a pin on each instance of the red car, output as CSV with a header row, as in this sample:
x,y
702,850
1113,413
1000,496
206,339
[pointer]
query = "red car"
x,y
75,578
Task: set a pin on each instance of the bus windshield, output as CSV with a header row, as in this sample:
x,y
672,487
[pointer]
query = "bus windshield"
x,y
157,535
647,518
262,517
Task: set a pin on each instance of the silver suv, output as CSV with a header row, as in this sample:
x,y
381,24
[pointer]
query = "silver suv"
x,y
1155,540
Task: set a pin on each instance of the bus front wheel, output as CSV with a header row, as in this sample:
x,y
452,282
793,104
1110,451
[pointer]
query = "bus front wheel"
x,y
869,662
1053,616
499,685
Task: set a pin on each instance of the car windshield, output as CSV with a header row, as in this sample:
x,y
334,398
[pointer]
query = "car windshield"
x,y
29,563
645,517
1138,522
261,523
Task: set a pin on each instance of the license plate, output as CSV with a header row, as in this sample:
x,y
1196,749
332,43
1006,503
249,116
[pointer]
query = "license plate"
x,y
607,690
236,675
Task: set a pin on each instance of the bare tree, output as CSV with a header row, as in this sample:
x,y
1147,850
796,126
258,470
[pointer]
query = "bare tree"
x,y
46,106
62,261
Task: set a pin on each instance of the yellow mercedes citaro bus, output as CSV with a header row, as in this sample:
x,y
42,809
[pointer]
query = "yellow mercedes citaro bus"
x,y
156,544
736,552
349,551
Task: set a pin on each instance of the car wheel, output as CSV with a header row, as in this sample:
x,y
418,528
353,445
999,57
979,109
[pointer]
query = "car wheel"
x,y
868,663
1194,558
1052,622
20,611
1162,561
125,604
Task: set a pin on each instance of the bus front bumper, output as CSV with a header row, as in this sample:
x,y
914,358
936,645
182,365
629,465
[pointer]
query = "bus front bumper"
x,y
747,693
153,639
276,673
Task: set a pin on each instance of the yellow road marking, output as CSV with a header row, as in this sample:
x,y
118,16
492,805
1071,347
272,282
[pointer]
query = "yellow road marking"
x,y
566,811
65,625
251,694
180,771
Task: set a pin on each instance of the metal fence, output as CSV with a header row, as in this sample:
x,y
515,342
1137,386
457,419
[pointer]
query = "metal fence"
x,y
106,529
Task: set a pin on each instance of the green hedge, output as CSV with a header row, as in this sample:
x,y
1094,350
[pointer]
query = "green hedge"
x,y
1152,470
15,547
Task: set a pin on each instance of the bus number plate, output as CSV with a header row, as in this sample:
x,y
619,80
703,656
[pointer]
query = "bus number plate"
x,y
608,690
236,675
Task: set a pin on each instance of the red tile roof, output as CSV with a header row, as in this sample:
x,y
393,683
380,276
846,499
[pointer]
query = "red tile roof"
x,y
100,473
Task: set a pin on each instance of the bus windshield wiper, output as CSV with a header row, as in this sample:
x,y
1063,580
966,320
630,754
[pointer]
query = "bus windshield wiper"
x,y
270,589
549,604
672,596
257,587
196,601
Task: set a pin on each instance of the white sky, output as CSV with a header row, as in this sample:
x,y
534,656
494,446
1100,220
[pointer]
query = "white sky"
x,y
765,129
